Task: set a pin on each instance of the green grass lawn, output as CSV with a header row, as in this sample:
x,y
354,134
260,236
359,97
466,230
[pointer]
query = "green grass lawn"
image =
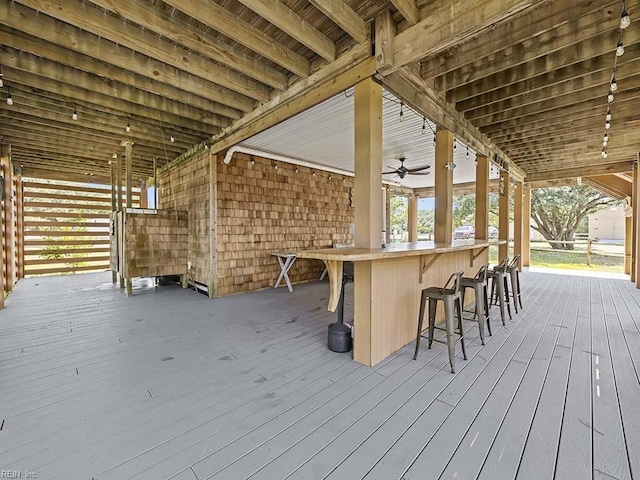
x,y
604,257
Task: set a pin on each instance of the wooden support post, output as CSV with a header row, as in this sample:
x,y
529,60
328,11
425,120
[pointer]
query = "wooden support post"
x,y
112,174
144,203
129,283
213,226
635,200
589,252
368,208
517,222
413,217
636,222
628,225
5,151
503,209
526,226
8,223
482,197
119,182
368,164
20,226
155,182
128,153
443,178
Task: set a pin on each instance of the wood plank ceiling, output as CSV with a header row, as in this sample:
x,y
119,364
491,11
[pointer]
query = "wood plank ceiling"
x,y
527,77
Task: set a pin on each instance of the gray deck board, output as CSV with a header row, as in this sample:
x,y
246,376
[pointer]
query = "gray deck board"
x,y
170,384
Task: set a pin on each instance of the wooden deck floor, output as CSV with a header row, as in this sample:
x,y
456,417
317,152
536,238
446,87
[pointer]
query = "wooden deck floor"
x,y
169,384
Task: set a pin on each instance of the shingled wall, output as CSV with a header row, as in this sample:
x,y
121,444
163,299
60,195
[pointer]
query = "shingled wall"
x,y
261,209
186,187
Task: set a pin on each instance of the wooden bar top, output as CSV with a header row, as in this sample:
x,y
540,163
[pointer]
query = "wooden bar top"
x,y
395,250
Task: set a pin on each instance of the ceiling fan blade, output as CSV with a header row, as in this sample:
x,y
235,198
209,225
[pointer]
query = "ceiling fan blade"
x,y
418,173
418,169
390,173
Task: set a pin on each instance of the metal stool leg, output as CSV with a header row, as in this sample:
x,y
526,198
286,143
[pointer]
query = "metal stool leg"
x,y
507,298
423,299
486,309
480,309
518,284
459,311
499,286
450,329
514,289
433,306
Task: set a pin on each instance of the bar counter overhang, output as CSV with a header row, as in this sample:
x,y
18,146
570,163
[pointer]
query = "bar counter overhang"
x,y
387,287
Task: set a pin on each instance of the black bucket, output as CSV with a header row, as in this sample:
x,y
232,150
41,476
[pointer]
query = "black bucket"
x,y
339,338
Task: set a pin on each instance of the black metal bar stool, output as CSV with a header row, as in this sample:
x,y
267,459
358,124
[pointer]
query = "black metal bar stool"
x,y
451,299
514,276
479,285
500,289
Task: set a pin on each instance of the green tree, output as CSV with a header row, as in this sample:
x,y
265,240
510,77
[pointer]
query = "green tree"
x,y
557,212
464,210
399,214
425,222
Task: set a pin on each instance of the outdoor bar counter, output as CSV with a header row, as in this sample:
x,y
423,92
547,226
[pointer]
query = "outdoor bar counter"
x,y
387,287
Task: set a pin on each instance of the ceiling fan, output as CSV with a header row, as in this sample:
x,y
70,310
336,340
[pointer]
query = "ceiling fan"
x,y
401,171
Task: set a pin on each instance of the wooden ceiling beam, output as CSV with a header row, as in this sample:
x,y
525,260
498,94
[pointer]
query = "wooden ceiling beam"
x,y
354,66
57,108
34,172
293,25
60,55
26,129
345,17
220,19
559,182
543,132
573,59
408,9
106,53
415,92
146,42
202,122
504,36
562,100
521,96
27,67
183,33
612,183
447,24
586,171
594,28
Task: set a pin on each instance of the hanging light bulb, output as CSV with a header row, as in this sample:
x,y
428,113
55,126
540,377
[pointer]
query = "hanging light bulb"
x,y
614,85
172,139
606,137
1,79
604,144
9,97
128,127
467,152
401,111
625,20
424,125
610,97
620,49
607,125
604,153
74,115
608,117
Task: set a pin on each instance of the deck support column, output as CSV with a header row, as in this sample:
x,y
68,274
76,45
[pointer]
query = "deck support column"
x,y
128,154
482,197
114,206
8,224
634,223
526,226
119,205
517,222
503,210
213,226
443,177
635,264
412,219
368,210
20,226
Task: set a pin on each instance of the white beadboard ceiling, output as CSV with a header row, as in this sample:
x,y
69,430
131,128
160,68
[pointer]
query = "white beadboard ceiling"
x,y
323,135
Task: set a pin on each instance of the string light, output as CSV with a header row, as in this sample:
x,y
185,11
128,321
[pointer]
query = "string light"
x,y
401,111
608,117
610,97
607,125
625,20
172,139
1,77
614,85
620,49
74,115
128,127
424,125
9,97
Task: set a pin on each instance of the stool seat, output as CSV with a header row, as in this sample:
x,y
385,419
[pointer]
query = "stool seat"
x,y
451,299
